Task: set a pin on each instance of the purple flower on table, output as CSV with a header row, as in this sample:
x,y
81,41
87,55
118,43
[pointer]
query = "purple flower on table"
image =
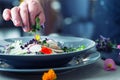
x,y
109,65
104,44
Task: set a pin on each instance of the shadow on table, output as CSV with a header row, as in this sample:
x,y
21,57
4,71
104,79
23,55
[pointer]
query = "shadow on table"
x,y
21,76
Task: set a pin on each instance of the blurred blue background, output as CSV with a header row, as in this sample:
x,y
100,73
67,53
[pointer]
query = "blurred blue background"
x,y
77,17
81,18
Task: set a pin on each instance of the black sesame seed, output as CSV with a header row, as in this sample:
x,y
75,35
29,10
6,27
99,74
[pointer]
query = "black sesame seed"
x,y
37,53
25,45
21,47
38,42
31,41
35,41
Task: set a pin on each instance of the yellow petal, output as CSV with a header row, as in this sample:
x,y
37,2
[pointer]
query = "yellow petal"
x,y
37,37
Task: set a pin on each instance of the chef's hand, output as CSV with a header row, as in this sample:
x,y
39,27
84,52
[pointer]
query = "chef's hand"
x,y
24,15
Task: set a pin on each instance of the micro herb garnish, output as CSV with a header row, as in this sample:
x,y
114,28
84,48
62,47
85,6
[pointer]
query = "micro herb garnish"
x,y
37,26
70,49
44,42
11,47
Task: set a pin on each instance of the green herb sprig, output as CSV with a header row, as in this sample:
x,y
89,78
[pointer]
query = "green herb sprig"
x,y
37,26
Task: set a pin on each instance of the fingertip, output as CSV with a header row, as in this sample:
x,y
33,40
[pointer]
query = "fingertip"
x,y
26,29
7,18
6,14
42,18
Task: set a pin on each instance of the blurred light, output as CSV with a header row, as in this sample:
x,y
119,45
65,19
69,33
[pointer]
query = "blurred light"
x,y
15,3
55,5
68,21
102,3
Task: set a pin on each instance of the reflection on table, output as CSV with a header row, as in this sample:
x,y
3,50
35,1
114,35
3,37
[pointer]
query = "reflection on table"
x,y
91,72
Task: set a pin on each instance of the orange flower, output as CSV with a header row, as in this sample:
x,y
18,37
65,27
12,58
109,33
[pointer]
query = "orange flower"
x,y
50,75
46,50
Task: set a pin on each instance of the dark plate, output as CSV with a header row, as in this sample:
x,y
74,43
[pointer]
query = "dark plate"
x,y
55,60
73,64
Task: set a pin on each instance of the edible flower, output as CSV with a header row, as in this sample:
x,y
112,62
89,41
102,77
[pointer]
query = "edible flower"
x,y
50,75
37,37
118,46
46,50
109,65
104,44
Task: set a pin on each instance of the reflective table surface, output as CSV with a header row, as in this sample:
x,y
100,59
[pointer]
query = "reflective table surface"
x,y
93,71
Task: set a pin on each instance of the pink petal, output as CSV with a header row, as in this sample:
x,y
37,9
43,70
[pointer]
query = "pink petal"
x,y
109,65
118,46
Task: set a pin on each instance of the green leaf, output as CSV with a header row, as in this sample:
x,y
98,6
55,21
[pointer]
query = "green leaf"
x,y
37,26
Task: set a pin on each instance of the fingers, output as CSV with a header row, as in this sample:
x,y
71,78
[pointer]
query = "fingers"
x,y
6,14
15,16
35,9
42,18
25,14
25,17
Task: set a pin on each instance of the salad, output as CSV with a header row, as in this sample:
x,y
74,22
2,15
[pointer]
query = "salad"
x,y
38,46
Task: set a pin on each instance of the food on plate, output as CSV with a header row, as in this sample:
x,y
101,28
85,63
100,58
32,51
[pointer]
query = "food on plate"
x,y
37,45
